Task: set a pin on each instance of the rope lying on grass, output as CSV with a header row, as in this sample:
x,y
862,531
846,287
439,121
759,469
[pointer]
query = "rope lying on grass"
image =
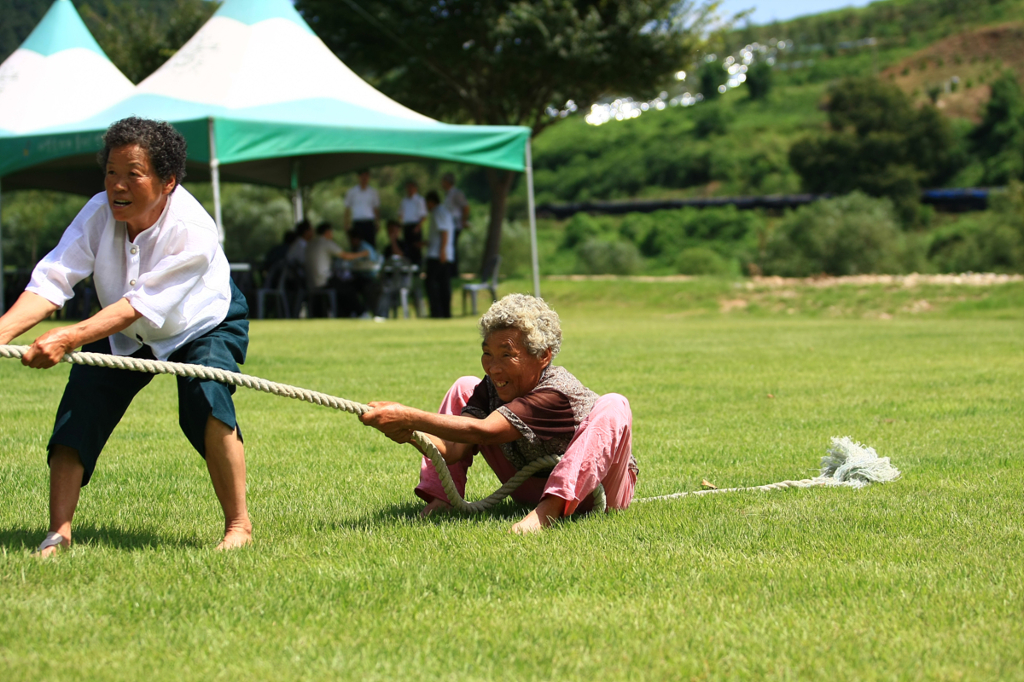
x,y
846,464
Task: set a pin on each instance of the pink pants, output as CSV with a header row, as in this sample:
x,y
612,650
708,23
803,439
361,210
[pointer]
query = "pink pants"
x,y
598,453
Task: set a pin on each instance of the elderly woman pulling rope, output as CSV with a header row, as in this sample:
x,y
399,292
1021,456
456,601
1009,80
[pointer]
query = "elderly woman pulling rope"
x,y
165,289
525,408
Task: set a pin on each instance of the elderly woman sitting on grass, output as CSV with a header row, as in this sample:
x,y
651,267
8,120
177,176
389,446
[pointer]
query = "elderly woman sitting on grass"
x,y
525,408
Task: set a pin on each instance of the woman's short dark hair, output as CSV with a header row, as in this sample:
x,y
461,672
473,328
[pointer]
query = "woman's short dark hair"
x,y
433,197
166,147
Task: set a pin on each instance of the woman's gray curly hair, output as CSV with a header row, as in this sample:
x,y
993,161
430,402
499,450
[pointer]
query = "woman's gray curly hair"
x,y
539,324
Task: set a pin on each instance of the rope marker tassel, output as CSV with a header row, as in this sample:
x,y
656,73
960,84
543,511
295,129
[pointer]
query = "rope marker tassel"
x,y
847,463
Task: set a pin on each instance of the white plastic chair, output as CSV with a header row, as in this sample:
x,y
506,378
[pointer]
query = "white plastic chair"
x,y
488,282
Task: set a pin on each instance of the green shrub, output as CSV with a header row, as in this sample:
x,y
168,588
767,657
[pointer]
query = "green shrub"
x,y
701,260
879,143
710,75
601,257
850,235
759,80
255,218
669,232
710,119
582,227
515,248
978,243
33,222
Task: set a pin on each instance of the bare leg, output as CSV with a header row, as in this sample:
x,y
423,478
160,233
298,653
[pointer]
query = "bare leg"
x,y
66,472
225,459
547,512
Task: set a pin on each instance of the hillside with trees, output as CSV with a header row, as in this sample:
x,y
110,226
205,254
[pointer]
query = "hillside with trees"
x,y
871,105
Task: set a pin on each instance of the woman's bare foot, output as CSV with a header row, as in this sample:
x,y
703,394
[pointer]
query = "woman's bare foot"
x,y
547,512
435,505
236,536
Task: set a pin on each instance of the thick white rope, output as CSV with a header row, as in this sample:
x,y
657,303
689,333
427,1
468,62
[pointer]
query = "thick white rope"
x,y
803,483
420,440
847,463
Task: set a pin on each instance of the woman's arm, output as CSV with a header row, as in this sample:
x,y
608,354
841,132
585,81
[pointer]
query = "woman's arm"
x,y
49,348
28,311
453,435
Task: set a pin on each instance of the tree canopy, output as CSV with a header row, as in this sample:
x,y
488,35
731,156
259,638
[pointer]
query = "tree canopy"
x,y
508,62
878,143
155,35
999,138
503,62
156,30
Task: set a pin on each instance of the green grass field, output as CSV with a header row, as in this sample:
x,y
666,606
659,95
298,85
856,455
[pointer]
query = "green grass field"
x,y
919,579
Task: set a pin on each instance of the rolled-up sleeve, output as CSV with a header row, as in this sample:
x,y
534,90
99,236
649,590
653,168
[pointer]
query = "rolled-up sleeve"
x,y
163,289
73,259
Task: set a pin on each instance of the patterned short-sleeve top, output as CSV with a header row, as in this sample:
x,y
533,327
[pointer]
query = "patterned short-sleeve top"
x,y
547,417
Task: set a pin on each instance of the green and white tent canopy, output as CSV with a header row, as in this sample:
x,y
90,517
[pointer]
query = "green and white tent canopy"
x,y
58,75
260,99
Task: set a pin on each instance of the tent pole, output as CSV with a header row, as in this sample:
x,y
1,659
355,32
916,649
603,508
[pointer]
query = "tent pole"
x,y
2,299
297,193
533,220
215,181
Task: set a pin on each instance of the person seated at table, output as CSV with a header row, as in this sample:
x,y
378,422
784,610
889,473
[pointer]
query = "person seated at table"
x,y
320,255
279,252
303,235
394,248
523,409
364,283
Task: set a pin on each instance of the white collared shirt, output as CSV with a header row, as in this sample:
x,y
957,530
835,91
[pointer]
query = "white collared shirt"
x,y
363,202
414,209
441,221
175,273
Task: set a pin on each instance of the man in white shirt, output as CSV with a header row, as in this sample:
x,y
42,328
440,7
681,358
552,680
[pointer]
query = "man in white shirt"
x,y
412,214
458,206
440,257
165,289
362,209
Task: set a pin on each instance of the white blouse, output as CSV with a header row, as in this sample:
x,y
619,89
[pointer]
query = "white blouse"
x,y
175,273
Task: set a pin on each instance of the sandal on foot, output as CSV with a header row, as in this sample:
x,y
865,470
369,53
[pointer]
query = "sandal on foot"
x,y
52,540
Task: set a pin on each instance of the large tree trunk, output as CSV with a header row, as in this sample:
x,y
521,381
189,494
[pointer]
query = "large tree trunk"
x,y
500,182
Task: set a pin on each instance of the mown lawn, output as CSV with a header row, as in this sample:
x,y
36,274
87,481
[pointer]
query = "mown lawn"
x,y
923,578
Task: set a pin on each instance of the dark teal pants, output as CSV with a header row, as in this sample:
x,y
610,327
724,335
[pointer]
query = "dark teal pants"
x,y
96,398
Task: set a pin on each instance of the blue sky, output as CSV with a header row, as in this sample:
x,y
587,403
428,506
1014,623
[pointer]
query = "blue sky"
x,y
766,11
